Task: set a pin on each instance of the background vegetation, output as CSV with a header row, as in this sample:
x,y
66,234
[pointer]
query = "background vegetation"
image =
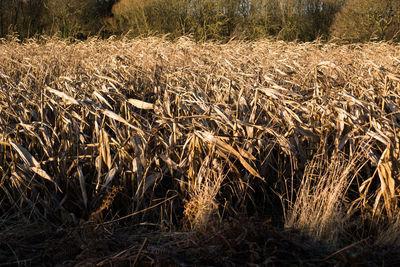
x,y
305,20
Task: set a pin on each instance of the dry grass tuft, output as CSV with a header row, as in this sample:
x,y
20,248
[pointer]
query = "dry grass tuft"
x,y
322,208
219,127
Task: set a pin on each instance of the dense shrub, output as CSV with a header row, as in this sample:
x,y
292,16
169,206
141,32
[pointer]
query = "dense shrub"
x,y
203,19
363,20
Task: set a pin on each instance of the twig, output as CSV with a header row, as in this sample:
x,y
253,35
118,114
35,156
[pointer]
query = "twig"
x,y
140,251
338,251
140,211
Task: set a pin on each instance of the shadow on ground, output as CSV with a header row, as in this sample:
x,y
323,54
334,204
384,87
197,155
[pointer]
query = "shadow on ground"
x,y
234,243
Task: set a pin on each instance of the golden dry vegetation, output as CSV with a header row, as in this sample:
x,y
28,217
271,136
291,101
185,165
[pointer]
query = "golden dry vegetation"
x,y
181,135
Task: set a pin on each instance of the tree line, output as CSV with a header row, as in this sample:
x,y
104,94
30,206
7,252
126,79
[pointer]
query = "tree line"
x,y
304,20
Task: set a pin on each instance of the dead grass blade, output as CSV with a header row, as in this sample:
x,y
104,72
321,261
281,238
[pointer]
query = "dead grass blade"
x,y
83,186
117,117
31,162
66,98
208,137
140,104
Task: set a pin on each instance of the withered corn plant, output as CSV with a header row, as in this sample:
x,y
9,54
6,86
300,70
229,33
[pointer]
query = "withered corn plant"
x,y
181,134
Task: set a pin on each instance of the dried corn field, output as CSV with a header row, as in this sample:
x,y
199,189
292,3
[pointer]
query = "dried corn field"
x,y
180,135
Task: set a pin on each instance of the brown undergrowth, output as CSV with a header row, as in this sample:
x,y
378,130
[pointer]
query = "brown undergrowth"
x,y
182,135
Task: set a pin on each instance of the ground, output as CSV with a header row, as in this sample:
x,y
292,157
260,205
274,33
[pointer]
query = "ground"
x,y
236,242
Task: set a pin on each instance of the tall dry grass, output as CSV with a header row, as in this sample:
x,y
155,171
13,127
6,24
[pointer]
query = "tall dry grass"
x,y
179,133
